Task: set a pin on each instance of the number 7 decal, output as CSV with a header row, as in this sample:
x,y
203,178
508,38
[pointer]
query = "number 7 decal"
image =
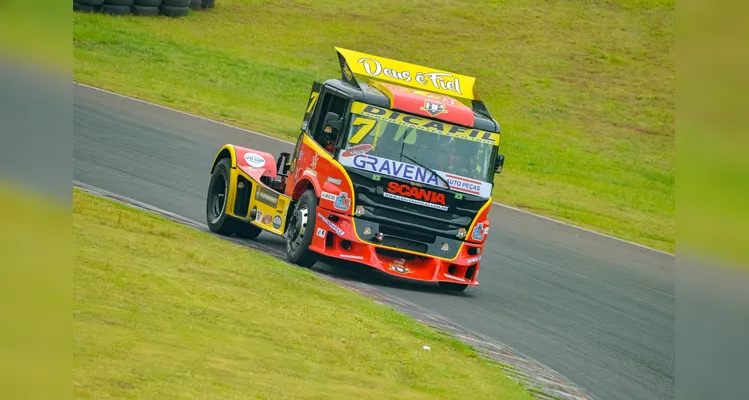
x,y
313,99
363,126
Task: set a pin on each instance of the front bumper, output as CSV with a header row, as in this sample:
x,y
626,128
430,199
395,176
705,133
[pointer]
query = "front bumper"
x,y
349,238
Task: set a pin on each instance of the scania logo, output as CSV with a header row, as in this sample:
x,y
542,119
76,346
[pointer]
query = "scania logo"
x,y
416,193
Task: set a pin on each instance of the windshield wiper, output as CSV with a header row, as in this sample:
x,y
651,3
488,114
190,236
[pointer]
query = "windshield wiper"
x,y
428,169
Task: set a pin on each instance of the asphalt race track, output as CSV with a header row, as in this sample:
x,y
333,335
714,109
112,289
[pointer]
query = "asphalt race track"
x,y
597,310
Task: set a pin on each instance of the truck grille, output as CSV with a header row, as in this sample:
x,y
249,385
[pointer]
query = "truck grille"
x,y
412,221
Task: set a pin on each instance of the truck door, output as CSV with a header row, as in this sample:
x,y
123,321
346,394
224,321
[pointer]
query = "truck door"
x,y
309,111
321,101
330,101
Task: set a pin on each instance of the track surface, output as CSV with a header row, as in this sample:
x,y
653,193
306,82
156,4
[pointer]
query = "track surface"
x,y
597,310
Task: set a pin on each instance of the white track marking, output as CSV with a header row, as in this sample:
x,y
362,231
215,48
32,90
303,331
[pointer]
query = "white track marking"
x,y
292,143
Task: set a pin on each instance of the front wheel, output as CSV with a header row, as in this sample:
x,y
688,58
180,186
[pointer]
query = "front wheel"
x,y
301,231
453,287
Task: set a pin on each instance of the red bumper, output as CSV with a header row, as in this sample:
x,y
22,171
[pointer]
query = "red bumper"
x,y
335,236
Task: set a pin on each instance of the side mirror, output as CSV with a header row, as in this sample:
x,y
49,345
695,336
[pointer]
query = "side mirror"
x,y
333,122
500,163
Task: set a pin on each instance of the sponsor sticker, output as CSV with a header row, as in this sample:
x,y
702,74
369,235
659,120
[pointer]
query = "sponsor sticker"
x,y
397,169
414,201
425,124
356,150
367,231
473,260
334,181
462,233
478,232
259,216
434,109
277,221
313,165
457,278
445,247
416,193
444,81
254,160
359,211
352,257
332,226
266,196
311,171
465,185
382,166
342,202
399,269
266,219
321,232
328,196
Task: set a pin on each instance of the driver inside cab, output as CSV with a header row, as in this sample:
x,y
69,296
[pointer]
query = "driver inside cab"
x,y
328,142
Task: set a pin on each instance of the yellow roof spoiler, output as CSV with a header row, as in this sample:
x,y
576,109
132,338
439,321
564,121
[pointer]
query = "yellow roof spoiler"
x,y
414,76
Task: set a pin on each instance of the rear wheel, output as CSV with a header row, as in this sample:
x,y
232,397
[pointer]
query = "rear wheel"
x,y
301,230
453,287
218,192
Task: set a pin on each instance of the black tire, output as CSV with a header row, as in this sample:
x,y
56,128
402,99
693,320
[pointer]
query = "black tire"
x,y
209,3
148,3
85,8
173,11
301,230
145,11
122,3
215,204
115,10
176,3
90,2
453,287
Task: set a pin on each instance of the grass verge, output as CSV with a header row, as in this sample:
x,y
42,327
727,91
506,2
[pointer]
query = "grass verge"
x,y
584,90
161,311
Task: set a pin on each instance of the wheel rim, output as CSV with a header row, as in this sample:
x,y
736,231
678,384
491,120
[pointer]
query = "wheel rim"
x,y
219,190
297,228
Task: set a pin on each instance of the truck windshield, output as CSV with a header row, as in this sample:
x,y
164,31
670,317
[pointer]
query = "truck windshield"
x,y
392,137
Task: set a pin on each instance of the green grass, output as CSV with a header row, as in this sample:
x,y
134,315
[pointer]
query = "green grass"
x,y
163,311
584,90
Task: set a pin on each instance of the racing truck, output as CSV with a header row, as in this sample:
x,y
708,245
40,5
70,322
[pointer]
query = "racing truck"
x,y
393,168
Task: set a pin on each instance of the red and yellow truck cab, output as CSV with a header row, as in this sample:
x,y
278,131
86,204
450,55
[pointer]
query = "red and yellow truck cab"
x,y
395,173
